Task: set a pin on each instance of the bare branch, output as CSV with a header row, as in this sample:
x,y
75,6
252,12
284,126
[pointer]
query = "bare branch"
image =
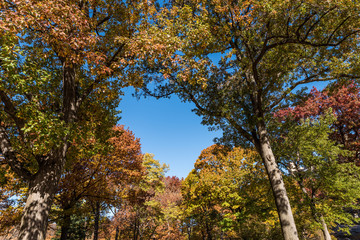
x,y
102,21
297,33
316,22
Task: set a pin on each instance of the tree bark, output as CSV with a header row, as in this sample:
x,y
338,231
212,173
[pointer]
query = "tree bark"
x,y
117,233
277,184
42,188
208,231
65,227
96,221
325,229
43,185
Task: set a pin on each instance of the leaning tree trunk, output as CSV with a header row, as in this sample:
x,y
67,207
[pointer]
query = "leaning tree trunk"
x,y
42,188
286,217
325,229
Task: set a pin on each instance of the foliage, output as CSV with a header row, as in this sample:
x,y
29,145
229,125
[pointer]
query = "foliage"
x,y
343,100
140,215
170,200
262,55
320,187
80,224
267,50
12,193
227,195
103,177
62,65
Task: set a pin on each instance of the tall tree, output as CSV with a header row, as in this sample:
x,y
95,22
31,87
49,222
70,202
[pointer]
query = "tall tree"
x,y
267,49
321,151
323,188
56,63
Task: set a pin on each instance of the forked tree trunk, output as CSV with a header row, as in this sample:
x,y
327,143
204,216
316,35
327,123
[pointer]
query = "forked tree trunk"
x,y
42,188
286,217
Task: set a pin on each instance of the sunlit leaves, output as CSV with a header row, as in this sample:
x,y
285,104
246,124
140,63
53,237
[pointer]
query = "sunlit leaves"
x,y
321,187
225,190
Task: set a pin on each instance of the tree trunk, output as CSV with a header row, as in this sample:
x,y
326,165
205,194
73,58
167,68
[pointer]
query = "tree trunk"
x,y
65,227
117,233
43,185
135,230
42,188
96,221
208,231
286,217
325,229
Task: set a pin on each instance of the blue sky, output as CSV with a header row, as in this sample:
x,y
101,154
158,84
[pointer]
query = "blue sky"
x,y
168,129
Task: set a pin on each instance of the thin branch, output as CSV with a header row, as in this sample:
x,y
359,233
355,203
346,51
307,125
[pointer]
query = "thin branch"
x,y
310,79
157,96
337,28
297,33
233,123
102,21
113,58
98,79
316,22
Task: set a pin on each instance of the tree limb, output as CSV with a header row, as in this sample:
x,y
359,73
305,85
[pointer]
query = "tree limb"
x,y
10,156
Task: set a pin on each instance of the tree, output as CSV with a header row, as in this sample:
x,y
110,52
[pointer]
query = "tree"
x,y
12,193
139,216
323,188
309,131
343,100
61,64
267,49
170,201
100,178
226,196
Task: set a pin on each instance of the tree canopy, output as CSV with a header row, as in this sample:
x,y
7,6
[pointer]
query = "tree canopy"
x,y
63,64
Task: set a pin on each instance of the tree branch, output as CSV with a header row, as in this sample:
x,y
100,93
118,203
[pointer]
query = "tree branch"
x,y
102,21
98,79
233,123
10,156
11,111
309,79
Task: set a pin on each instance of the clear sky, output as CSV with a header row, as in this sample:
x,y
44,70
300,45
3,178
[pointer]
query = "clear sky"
x,y
168,129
